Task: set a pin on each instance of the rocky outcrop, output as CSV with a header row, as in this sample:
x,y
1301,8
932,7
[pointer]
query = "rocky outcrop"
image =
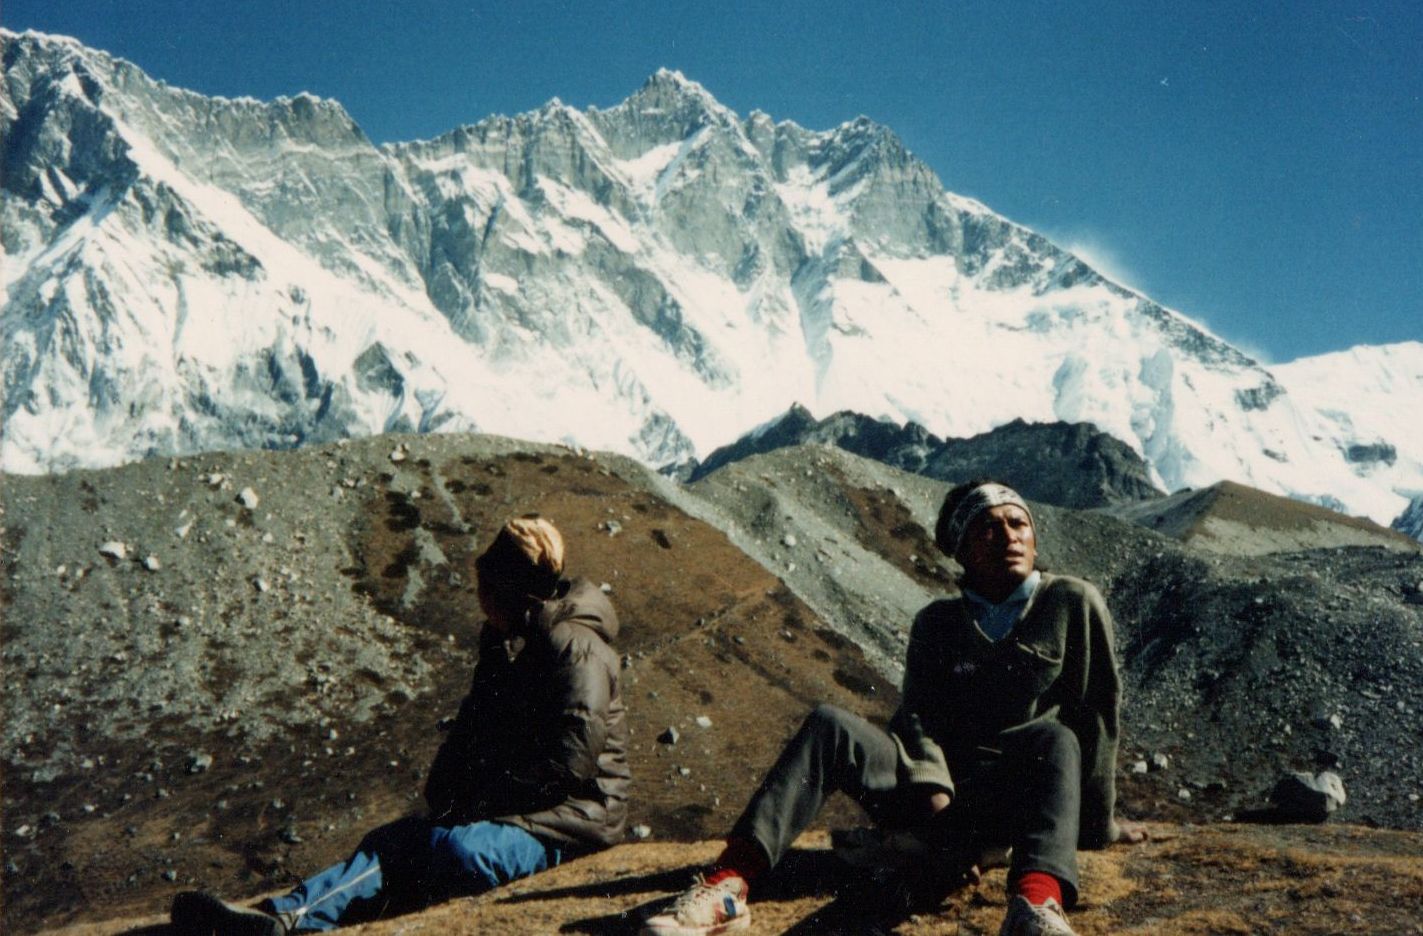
x,y
1410,522
1070,465
1067,465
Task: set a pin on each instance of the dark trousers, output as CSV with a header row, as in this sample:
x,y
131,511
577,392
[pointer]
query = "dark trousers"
x,y
1024,793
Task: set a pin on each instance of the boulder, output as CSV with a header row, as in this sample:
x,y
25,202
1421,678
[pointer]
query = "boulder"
x,y
1305,797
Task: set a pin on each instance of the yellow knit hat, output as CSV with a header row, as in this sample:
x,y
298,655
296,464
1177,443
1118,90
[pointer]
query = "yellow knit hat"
x,y
526,555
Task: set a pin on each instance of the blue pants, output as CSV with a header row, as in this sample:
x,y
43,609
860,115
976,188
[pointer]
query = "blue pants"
x,y
412,863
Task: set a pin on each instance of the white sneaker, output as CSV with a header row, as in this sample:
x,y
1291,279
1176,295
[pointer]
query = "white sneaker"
x,y
1028,919
704,910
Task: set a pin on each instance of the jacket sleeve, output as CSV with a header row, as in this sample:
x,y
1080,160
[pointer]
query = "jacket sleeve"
x,y
453,775
561,760
456,775
1095,719
921,759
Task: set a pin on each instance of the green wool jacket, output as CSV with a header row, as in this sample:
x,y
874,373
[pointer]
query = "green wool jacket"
x,y
963,690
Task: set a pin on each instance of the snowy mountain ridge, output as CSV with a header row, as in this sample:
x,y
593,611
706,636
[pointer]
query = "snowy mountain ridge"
x,y
656,278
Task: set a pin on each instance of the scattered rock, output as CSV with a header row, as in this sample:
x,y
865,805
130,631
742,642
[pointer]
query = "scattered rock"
x,y
248,498
199,761
670,736
1160,761
1304,797
152,564
640,831
400,453
789,540
612,526
1139,767
703,721
606,588
114,551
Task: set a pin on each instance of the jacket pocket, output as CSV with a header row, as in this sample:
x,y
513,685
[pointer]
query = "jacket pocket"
x,y
1034,668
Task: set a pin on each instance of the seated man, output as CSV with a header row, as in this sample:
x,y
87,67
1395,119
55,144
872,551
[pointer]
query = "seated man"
x,y
534,769
1006,735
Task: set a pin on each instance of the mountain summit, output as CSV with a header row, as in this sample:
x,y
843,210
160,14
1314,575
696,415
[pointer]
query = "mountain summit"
x,y
656,278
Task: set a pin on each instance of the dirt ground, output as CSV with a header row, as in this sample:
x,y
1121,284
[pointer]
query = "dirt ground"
x,y
1188,881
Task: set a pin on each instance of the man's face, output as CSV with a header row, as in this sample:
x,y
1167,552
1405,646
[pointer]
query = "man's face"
x,y
999,549
495,605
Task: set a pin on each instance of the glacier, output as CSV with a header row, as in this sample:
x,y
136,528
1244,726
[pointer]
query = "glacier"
x,y
185,273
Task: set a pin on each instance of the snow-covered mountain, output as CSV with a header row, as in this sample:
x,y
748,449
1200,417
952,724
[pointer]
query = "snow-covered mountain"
x,y
184,272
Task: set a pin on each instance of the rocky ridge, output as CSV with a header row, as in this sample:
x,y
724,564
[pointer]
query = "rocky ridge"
x,y
1073,465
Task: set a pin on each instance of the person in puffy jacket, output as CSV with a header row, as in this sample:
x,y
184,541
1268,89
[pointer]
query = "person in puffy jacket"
x,y
534,769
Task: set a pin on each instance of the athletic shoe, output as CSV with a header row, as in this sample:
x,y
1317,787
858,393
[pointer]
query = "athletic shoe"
x,y
1029,919
704,910
195,913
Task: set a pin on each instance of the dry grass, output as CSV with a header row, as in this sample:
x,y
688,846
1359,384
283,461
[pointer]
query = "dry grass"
x,y
1189,881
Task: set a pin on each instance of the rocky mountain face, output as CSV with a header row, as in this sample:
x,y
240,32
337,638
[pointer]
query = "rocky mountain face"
x,y
185,273
1354,401
1067,465
1410,521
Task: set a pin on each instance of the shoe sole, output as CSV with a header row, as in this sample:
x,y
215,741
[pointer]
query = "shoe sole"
x,y
197,914
730,926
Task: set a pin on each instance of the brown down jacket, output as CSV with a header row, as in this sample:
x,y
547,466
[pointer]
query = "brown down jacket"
x,y
541,739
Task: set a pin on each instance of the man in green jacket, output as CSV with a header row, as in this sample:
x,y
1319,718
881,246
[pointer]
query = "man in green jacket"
x,y
1006,736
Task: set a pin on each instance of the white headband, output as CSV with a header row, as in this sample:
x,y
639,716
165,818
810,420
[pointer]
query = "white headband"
x,y
975,502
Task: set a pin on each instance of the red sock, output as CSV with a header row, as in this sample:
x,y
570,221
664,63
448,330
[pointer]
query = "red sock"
x,y
740,857
1038,886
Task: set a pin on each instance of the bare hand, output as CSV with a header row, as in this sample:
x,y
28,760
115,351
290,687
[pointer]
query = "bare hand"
x,y
1126,832
938,802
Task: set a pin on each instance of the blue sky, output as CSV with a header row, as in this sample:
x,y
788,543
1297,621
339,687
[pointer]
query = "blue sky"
x,y
1256,165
